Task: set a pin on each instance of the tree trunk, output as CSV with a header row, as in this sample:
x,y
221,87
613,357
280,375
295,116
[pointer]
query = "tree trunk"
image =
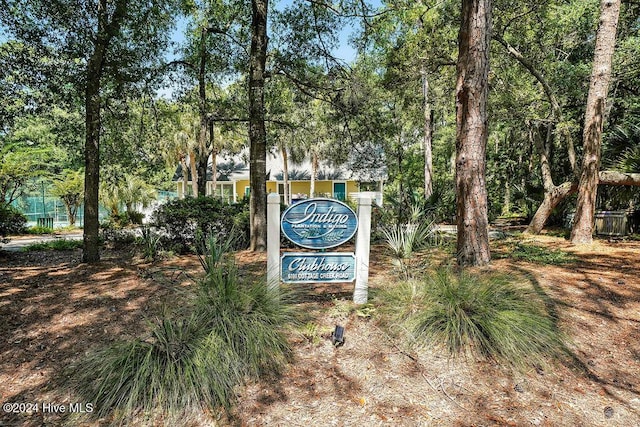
x,y
185,176
471,136
285,175
194,174
202,152
105,32
314,174
506,201
427,146
553,198
582,231
214,160
71,215
257,131
91,250
214,173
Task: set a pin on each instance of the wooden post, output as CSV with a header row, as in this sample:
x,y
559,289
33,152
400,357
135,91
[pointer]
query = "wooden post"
x,y
363,239
273,240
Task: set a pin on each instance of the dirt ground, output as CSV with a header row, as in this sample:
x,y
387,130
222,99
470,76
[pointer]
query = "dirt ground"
x,y
53,309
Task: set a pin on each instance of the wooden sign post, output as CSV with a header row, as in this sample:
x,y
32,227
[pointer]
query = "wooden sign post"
x,y
319,223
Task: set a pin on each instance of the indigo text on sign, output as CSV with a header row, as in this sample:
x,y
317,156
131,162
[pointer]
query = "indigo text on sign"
x,y
319,223
314,267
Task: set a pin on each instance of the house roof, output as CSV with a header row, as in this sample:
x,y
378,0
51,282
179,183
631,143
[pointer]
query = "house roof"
x,y
235,168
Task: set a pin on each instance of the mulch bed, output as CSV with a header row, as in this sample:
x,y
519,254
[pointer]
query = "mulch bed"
x,y
53,309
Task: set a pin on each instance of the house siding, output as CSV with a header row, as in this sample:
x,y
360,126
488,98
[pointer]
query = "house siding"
x,y
322,188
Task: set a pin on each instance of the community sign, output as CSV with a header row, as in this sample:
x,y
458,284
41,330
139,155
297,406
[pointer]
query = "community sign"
x,y
318,267
319,223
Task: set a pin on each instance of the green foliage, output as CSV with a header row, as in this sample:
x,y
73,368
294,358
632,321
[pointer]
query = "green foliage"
x,y
404,239
149,243
475,315
194,359
39,229
11,221
183,220
177,371
538,255
70,189
116,236
25,155
54,245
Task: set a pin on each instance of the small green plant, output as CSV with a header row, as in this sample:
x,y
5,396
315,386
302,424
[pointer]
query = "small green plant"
x,y
54,245
211,250
404,239
150,243
484,316
310,332
39,229
540,255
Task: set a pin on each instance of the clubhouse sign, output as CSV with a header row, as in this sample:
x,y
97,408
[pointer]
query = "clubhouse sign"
x,y
318,224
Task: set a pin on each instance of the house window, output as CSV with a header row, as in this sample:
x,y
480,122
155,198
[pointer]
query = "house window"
x,y
225,191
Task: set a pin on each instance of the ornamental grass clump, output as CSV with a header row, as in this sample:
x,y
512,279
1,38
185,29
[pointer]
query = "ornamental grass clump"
x,y
227,332
486,316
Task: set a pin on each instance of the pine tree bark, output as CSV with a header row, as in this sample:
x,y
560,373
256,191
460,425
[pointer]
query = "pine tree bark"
x,y
472,131
582,231
105,32
257,131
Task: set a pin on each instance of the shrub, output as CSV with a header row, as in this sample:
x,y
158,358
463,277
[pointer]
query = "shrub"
x,y
54,245
182,220
117,237
149,242
404,239
39,229
11,221
134,217
194,359
484,316
180,368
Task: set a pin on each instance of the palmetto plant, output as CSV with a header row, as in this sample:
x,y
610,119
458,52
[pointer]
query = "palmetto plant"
x,y
405,239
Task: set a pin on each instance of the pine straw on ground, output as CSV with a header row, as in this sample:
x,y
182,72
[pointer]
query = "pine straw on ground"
x,y
53,309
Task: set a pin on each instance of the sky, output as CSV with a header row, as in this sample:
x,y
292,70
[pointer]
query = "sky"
x,y
344,51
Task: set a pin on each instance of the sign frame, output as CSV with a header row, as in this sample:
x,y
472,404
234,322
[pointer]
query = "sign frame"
x,y
327,219
340,257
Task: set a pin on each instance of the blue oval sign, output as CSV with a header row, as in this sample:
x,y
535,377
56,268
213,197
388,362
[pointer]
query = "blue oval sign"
x,y
319,223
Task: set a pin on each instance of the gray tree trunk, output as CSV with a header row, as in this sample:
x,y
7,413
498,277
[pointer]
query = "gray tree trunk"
x,y
582,231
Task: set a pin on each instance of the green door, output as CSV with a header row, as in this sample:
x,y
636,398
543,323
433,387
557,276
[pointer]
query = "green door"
x,y
340,191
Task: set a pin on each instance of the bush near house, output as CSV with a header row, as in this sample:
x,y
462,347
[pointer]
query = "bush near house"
x,y
181,221
11,222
